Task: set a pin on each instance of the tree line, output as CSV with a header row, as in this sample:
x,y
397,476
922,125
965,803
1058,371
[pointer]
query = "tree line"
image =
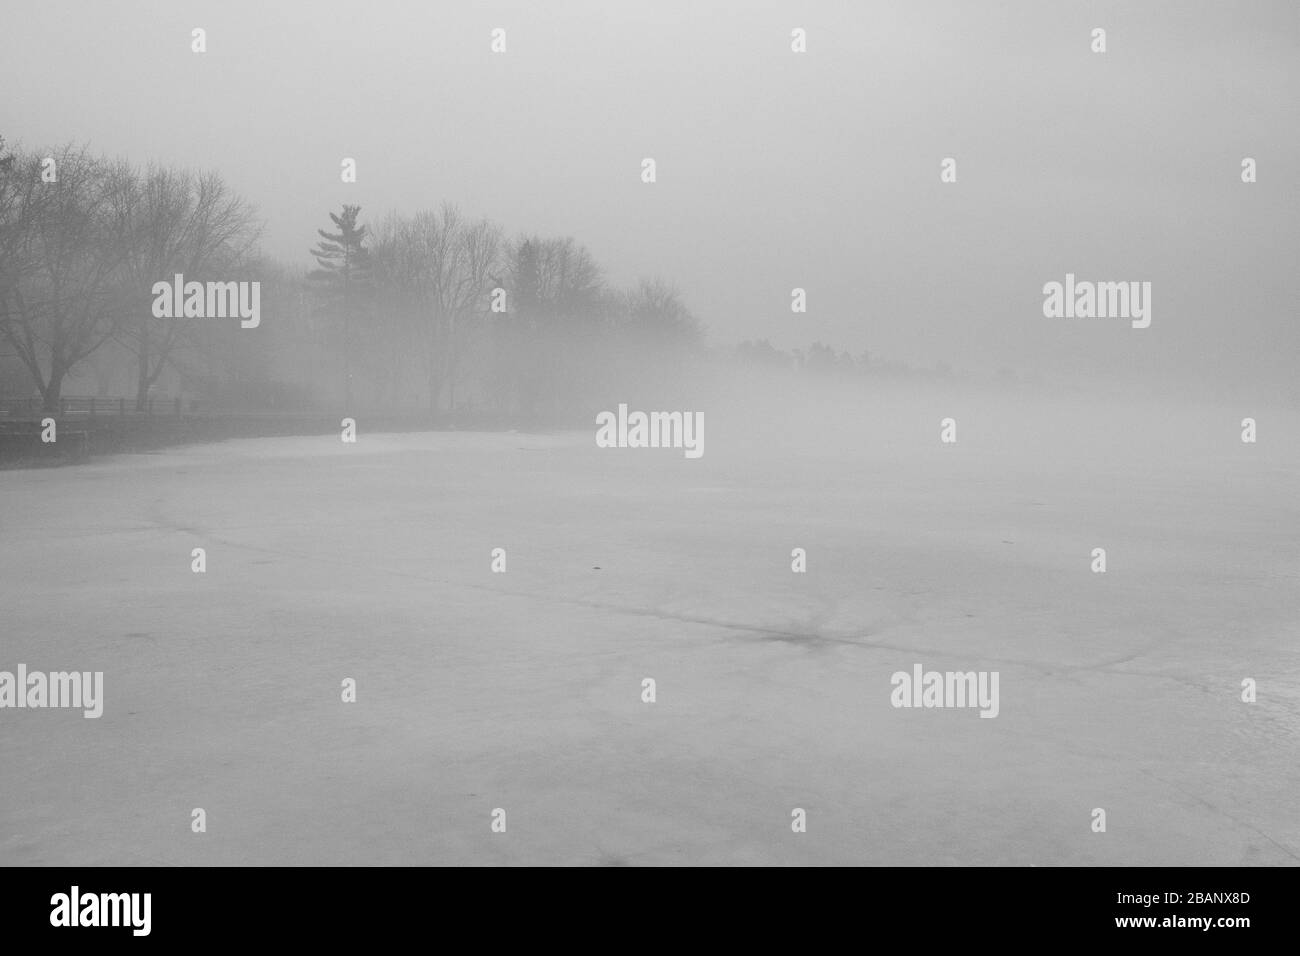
x,y
433,308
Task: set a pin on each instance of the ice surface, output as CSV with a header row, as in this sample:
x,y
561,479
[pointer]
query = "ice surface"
x,y
522,690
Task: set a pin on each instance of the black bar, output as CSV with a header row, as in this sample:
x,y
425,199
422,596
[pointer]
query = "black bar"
x,y
982,908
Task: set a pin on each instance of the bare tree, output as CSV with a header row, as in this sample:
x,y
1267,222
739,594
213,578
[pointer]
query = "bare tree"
x,y
60,291
396,270
481,243
437,271
562,303
658,316
435,234
172,222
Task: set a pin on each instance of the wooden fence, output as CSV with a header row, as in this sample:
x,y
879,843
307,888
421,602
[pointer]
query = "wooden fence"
x,y
32,409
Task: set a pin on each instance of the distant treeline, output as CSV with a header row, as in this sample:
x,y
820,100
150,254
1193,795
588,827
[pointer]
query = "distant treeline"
x,y
431,310
825,362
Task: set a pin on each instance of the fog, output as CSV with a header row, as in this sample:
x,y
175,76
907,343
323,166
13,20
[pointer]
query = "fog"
x,y
776,171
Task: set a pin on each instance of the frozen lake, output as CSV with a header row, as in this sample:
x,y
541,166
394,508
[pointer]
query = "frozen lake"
x,y
522,690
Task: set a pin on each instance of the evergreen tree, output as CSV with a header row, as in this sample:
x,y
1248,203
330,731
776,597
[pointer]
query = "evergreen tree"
x,y
344,260
527,280
344,269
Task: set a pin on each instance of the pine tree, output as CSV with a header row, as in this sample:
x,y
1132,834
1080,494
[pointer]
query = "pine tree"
x,y
344,264
343,257
527,280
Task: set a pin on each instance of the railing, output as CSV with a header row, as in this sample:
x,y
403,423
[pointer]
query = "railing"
x,y
76,407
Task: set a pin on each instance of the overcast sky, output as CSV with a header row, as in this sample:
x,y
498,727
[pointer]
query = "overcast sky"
x,y
775,170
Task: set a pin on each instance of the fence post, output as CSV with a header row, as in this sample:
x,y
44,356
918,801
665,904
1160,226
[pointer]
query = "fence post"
x,y
63,408
121,407
178,406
